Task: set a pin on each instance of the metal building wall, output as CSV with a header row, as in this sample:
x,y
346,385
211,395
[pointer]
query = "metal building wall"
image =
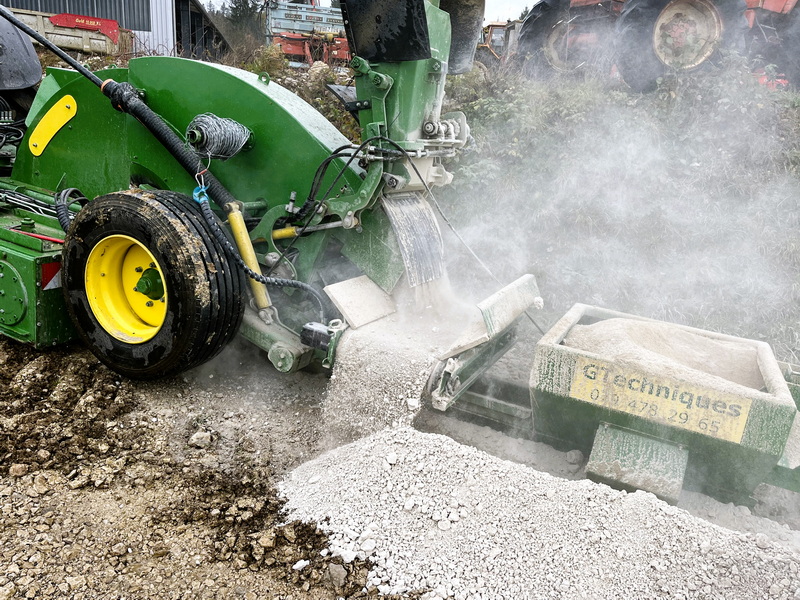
x,y
131,14
165,27
195,33
159,37
181,28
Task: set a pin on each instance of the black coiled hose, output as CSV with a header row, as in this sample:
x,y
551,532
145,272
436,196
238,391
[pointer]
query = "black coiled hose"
x,y
211,219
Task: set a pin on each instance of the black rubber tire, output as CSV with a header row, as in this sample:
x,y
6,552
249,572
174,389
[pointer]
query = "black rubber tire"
x,y
533,34
487,58
789,54
206,292
637,61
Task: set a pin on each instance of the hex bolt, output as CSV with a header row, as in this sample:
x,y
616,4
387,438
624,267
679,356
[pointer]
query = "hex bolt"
x,y
149,303
139,269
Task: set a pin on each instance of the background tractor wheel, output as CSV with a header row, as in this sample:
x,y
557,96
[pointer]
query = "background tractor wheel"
x,y
147,285
657,36
789,61
487,58
557,39
540,37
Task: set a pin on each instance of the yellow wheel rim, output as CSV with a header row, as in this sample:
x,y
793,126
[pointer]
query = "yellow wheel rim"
x,y
687,33
125,288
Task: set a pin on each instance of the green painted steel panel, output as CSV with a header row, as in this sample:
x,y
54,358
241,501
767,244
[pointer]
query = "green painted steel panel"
x,y
726,459
101,149
290,138
32,306
375,251
89,152
630,461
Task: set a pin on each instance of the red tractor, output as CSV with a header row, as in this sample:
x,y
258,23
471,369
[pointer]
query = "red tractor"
x,y
653,37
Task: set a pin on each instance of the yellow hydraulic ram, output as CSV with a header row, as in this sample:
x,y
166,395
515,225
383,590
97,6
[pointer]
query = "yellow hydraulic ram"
x,y
287,233
245,246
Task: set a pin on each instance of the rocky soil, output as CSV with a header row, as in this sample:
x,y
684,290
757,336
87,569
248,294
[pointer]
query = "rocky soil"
x,y
119,489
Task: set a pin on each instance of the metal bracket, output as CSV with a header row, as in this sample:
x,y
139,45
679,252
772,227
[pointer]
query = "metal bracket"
x,y
357,105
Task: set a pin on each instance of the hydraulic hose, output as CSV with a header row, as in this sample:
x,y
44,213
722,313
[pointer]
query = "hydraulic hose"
x,y
62,205
210,217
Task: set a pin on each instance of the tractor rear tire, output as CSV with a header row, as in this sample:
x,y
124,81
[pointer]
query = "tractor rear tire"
x,y
646,50
534,50
147,285
789,61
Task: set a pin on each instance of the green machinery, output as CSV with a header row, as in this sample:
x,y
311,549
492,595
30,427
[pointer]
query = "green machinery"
x,y
653,405
159,210
202,177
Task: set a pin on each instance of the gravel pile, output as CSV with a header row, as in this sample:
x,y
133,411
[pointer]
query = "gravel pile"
x,y
162,490
379,375
453,522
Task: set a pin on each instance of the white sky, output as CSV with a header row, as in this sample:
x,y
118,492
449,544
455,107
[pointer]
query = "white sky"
x,y
502,10
496,10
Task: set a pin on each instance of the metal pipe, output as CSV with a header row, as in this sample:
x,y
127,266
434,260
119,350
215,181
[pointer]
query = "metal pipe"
x,y
45,238
245,247
286,233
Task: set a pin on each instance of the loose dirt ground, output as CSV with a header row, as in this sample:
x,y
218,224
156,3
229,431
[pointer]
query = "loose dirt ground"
x,y
119,489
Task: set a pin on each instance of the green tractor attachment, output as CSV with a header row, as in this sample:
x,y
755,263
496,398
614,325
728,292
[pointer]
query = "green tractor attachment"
x,y
653,405
159,210
197,178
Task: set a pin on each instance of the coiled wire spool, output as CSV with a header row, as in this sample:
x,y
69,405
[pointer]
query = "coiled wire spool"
x,y
216,137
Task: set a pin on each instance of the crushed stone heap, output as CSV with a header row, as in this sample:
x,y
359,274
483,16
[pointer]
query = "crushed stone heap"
x,y
445,518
